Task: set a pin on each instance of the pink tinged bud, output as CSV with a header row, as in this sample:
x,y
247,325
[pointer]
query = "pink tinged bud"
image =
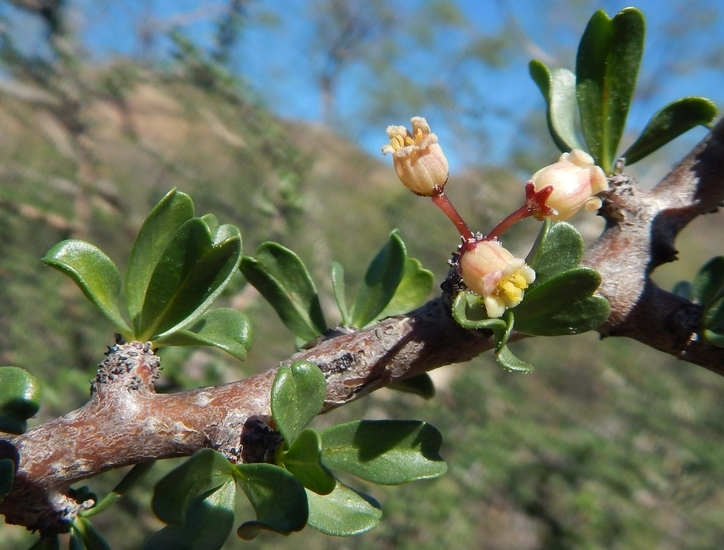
x,y
418,159
575,180
500,278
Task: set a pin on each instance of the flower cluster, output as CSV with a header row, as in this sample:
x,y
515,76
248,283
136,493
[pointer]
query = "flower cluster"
x,y
557,192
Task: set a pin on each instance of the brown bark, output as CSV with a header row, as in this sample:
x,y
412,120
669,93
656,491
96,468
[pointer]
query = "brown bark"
x,y
126,422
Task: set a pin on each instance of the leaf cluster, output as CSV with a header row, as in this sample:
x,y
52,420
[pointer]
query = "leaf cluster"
x,y
602,89
197,499
180,263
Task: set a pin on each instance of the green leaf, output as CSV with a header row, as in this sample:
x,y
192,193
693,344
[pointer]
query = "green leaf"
x,y
668,123
155,234
7,473
304,461
558,87
47,543
225,328
210,521
19,399
713,316
297,397
469,312
607,66
380,283
716,338
278,498
684,289
709,281
92,540
414,288
558,248
134,475
503,355
204,471
190,274
563,305
344,512
387,452
421,385
338,287
94,273
510,362
282,278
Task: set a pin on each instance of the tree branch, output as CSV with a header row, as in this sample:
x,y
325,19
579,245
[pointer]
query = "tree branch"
x,y
641,229
126,422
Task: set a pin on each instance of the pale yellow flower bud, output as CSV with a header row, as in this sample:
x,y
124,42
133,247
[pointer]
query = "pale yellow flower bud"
x,y
575,180
494,273
419,161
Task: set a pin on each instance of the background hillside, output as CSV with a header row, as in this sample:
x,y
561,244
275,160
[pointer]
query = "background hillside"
x,y
606,445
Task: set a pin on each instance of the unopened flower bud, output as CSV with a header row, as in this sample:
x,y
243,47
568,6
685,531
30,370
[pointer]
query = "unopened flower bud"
x,y
575,180
494,273
419,161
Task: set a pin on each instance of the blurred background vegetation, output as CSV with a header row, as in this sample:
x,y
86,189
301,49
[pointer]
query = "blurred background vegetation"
x,y
105,105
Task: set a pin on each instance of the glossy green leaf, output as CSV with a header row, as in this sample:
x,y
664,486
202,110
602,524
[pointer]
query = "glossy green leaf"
x,y
709,281
224,328
668,123
421,385
304,461
204,471
339,295
278,498
558,87
7,473
387,452
19,399
344,512
297,397
511,362
607,66
558,248
171,212
47,543
190,274
282,278
716,338
383,277
210,520
469,312
133,476
94,273
559,290
563,305
713,317
503,355
92,539
414,288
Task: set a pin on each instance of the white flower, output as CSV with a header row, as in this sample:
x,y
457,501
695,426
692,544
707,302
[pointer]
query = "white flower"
x,y
575,180
494,273
419,161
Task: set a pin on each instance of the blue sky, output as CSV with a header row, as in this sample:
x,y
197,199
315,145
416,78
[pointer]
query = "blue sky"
x,y
277,61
